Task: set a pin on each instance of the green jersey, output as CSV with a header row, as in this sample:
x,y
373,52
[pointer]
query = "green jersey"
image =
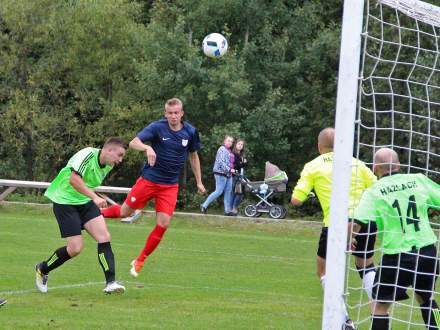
x,y
399,205
85,163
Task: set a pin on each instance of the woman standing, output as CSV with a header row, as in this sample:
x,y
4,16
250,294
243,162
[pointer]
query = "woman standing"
x,y
223,169
240,162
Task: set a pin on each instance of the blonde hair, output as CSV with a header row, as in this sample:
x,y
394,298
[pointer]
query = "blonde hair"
x,y
172,102
228,137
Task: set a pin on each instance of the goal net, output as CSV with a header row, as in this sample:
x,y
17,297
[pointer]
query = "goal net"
x,y
398,106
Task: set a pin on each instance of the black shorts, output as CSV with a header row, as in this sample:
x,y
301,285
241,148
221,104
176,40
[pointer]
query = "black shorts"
x,y
71,218
364,241
397,272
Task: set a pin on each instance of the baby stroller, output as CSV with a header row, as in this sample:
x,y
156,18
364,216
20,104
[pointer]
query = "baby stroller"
x,y
274,182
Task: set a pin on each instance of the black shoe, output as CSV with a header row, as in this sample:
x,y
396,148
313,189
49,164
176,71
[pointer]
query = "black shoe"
x,y
203,209
348,325
230,214
2,302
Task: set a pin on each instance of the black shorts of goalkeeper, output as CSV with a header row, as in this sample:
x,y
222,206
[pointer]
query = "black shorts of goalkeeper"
x,y
365,240
417,268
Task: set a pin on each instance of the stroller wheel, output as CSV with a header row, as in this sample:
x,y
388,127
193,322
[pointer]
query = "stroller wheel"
x,y
251,211
284,212
276,212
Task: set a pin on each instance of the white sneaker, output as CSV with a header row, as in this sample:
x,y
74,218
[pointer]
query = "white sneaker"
x,y
40,279
133,218
114,287
136,268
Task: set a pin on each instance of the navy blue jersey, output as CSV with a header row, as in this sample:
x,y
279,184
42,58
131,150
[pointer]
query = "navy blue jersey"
x,y
171,148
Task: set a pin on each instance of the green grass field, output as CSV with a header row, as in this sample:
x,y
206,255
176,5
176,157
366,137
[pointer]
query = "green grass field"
x,y
206,274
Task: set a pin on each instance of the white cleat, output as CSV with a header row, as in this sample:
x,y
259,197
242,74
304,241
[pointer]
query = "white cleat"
x,y
133,218
40,279
114,287
136,268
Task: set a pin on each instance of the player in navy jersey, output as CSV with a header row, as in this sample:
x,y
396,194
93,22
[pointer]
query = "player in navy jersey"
x,y
171,141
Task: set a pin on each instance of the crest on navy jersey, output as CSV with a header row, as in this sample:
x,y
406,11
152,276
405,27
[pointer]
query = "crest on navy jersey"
x,y
184,142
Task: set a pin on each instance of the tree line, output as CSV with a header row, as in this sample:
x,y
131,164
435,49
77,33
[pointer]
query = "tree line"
x,y
77,71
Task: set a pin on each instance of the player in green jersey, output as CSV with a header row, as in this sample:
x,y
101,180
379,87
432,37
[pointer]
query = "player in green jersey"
x,y
76,207
399,205
317,176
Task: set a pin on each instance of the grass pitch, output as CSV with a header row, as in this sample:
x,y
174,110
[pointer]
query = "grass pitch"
x,y
206,274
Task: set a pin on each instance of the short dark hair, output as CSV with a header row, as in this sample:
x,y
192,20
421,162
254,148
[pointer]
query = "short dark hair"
x,y
117,141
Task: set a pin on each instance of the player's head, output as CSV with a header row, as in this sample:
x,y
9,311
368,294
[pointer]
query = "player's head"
x,y
326,140
239,146
113,151
386,161
228,141
174,111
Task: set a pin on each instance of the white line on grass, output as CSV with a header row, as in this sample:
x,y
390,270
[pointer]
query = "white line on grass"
x,y
67,286
141,285
192,215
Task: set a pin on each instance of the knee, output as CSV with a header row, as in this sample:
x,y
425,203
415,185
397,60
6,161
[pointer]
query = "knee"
x,y
104,237
163,223
163,219
74,248
380,308
362,262
423,297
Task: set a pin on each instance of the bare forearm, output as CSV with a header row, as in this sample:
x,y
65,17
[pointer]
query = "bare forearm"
x,y
295,202
137,144
195,166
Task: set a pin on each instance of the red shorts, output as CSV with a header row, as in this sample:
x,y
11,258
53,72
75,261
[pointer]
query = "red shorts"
x,y
165,195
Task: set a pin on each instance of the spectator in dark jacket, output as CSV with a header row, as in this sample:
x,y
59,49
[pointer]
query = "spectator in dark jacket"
x,y
240,162
223,169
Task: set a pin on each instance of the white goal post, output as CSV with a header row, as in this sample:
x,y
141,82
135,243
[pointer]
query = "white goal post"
x,y
333,313
389,93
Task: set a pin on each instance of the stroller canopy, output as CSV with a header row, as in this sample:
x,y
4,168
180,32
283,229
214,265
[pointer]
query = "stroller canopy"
x,y
273,173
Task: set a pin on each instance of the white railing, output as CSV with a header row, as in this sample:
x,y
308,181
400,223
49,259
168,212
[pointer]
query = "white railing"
x,y
11,185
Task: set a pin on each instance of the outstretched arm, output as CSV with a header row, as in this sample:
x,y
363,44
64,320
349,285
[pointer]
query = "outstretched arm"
x,y
137,144
78,184
195,166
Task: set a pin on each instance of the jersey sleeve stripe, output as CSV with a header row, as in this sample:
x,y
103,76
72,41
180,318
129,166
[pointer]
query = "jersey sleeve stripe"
x,y
84,163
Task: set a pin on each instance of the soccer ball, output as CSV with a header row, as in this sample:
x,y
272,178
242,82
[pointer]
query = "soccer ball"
x,y
215,45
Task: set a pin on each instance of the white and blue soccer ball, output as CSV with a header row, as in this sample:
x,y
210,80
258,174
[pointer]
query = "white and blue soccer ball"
x,y
215,45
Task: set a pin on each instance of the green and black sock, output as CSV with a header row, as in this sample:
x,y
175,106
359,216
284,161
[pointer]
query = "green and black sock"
x,y
107,261
58,258
431,314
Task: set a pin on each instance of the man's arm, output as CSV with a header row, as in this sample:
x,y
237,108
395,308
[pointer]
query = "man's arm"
x,y
195,166
296,202
137,144
78,184
303,188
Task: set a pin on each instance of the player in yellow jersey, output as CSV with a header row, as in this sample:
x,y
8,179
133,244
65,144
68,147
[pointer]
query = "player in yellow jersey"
x,y
317,176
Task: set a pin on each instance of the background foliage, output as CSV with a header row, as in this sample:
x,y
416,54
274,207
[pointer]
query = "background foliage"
x,y
75,72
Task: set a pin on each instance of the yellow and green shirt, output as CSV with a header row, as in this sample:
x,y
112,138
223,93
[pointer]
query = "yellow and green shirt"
x,y
317,176
85,163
